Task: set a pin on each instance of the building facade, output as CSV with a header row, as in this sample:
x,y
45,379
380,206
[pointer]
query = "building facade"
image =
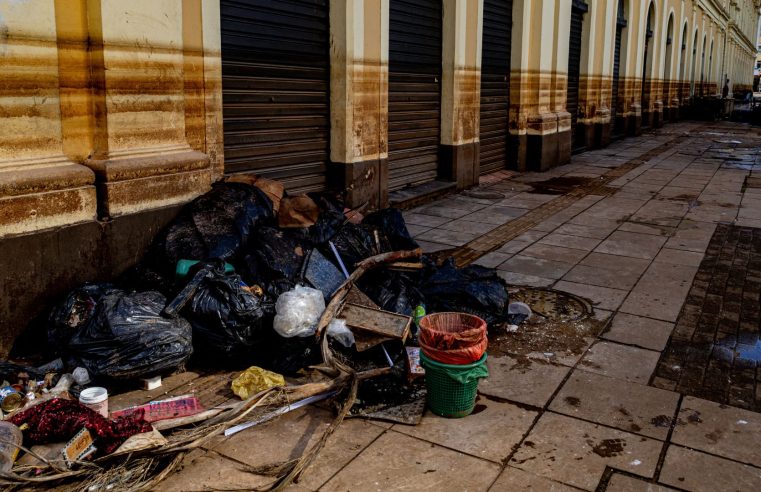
x,y
113,114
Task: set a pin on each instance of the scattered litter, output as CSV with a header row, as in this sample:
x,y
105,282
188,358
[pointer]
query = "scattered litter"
x,y
338,330
636,463
280,411
379,322
151,383
96,399
255,379
171,408
81,376
414,369
742,422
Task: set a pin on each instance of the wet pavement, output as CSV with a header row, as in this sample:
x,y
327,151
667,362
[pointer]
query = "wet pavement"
x,y
656,390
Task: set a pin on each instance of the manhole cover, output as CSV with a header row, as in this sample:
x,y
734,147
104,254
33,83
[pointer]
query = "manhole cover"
x,y
554,305
483,194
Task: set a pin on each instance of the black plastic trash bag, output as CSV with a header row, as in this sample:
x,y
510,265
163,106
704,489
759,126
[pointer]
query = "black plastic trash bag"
x,y
73,312
126,337
226,316
391,222
397,292
474,289
215,225
275,258
355,243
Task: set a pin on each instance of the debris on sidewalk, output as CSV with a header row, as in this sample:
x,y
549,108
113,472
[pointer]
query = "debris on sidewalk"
x,y
304,299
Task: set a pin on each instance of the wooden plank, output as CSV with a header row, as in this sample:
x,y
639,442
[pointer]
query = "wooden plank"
x,y
377,321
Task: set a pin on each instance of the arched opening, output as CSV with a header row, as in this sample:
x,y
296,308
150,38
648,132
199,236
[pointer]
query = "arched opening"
x,y
578,9
616,107
702,66
647,67
694,62
683,67
710,78
667,72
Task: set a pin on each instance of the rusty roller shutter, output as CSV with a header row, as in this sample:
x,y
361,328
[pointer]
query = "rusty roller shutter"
x,y
414,91
495,84
620,24
275,90
574,66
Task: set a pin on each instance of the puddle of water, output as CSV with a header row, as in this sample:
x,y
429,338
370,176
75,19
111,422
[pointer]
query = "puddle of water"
x,y
559,185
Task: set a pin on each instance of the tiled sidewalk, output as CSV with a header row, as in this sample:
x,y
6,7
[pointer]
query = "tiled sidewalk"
x,y
600,421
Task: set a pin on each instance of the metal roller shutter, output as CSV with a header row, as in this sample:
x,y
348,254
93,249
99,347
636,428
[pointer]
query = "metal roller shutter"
x,y
275,90
495,84
414,91
574,65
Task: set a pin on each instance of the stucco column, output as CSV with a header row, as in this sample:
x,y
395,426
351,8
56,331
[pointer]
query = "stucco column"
x,y
39,186
141,155
460,91
540,127
359,100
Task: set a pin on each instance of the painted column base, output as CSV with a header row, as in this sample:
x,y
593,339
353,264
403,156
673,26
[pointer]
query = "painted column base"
x,y
58,194
544,152
364,182
460,164
594,135
130,184
634,124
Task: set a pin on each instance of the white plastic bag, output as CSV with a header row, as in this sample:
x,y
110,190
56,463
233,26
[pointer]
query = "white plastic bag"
x,y
298,312
338,330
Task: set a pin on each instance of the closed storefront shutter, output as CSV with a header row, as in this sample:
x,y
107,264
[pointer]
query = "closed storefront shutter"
x,y
574,66
616,78
414,98
275,85
495,84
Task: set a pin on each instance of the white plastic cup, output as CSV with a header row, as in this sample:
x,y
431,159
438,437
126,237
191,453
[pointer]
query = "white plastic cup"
x,y
96,399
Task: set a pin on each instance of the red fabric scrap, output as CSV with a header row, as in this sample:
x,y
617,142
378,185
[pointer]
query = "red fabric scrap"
x,y
59,420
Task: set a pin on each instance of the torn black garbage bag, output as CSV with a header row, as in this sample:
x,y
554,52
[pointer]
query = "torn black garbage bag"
x,y
474,289
126,337
67,317
226,315
215,225
275,258
391,222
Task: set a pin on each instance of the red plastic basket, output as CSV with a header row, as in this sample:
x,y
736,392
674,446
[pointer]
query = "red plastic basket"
x,y
453,338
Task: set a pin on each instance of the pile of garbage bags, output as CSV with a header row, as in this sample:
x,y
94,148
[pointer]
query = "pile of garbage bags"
x,y
242,275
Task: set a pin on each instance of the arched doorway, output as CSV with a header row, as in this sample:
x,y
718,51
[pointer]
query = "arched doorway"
x,y
647,63
668,82
616,106
578,9
683,87
711,86
702,66
694,62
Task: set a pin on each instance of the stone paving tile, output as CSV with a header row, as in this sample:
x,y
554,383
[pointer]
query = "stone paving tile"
x,y
679,257
637,330
576,453
538,267
429,247
557,253
398,462
661,291
603,277
469,226
424,220
602,297
699,472
692,236
462,203
527,200
661,212
495,215
201,471
656,230
627,406
584,231
568,241
513,278
515,479
441,211
624,483
522,380
453,238
416,230
474,435
514,246
620,361
493,259
287,437
714,428
621,243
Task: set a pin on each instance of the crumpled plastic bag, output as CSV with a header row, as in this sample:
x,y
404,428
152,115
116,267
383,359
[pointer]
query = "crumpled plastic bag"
x,y
341,333
255,379
298,312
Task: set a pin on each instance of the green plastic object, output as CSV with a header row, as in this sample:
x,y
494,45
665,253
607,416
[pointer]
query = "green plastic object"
x,y
184,266
451,388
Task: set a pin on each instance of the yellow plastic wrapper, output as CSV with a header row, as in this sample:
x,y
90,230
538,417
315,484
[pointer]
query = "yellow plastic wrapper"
x,y
255,379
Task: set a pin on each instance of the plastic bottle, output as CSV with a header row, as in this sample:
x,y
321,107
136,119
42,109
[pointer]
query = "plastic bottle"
x,y
10,439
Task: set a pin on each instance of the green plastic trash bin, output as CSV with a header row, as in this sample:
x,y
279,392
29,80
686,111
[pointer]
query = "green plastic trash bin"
x,y
452,389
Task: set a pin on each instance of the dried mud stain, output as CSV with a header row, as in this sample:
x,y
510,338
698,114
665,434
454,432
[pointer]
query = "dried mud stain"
x,y
608,448
544,336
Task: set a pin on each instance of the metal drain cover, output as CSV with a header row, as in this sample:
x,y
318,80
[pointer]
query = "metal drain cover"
x,y
553,304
